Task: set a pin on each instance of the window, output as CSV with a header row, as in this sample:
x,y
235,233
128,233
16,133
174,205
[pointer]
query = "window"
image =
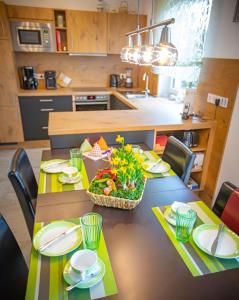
x,y
188,35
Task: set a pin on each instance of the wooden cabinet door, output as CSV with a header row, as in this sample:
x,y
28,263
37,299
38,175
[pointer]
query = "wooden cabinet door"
x,y
30,13
11,129
8,83
86,31
4,26
118,26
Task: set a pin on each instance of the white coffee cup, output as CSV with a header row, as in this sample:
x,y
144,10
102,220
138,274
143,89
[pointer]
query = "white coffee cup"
x,y
70,171
84,261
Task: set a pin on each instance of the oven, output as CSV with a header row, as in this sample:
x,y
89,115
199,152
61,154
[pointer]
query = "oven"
x,y
33,36
91,102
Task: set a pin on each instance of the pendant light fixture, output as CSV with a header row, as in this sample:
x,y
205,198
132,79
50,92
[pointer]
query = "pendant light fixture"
x,y
146,51
165,53
124,55
162,54
134,52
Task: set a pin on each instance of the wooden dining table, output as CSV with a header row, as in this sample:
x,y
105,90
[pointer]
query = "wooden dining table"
x,y
145,263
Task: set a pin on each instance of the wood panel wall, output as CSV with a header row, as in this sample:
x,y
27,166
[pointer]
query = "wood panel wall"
x,y
85,71
220,77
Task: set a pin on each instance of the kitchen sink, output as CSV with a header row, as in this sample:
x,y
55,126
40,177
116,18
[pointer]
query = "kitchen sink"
x,y
135,95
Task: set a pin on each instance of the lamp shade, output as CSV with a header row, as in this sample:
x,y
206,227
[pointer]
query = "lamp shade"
x,y
165,53
124,54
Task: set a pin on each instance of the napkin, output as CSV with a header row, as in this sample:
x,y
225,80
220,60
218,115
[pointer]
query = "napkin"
x,y
86,146
102,143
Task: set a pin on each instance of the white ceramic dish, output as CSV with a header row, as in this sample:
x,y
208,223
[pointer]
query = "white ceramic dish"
x,y
228,246
177,204
83,261
54,166
69,180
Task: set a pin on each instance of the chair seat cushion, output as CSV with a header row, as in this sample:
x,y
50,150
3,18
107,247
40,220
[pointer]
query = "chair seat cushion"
x,y
230,215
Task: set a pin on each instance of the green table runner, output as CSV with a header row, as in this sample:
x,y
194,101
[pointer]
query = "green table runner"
x,y
152,156
198,262
45,279
49,183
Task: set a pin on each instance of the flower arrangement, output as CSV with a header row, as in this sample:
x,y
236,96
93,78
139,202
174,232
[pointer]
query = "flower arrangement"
x,y
125,177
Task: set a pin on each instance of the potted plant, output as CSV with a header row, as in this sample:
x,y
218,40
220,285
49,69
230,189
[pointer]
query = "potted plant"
x,y
122,184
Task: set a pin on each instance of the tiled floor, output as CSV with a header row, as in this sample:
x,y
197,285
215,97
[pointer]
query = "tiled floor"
x,y
9,206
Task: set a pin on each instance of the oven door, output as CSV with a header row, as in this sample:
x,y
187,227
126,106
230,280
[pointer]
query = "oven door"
x,y
87,106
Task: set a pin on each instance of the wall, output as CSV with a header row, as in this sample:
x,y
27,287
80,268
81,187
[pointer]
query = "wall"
x,y
223,35
220,76
74,4
84,71
230,164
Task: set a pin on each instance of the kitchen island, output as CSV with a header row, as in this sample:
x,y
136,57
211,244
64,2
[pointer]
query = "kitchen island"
x,y
142,122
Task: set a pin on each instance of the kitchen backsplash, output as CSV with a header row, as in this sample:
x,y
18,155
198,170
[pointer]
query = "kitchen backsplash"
x,y
84,71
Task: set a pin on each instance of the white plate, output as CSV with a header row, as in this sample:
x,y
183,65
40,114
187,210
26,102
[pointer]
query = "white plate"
x,y
177,204
67,180
161,167
63,245
87,154
228,247
71,277
54,166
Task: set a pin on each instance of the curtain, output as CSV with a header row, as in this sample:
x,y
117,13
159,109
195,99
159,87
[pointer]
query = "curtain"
x,y
189,31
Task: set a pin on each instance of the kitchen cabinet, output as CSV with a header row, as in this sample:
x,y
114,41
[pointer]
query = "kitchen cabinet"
x,y
116,104
118,25
86,32
35,111
8,80
30,13
4,26
11,129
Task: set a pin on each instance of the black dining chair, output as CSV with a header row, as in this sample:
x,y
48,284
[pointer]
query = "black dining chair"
x,y
180,158
24,183
13,268
226,205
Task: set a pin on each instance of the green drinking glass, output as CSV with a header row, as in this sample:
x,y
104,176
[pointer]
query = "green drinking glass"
x,y
91,225
185,219
76,158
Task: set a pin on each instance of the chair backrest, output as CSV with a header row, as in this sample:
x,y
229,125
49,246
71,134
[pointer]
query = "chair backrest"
x,y
24,183
226,205
13,271
180,157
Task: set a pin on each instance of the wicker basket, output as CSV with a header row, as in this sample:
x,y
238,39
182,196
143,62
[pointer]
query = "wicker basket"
x,y
117,202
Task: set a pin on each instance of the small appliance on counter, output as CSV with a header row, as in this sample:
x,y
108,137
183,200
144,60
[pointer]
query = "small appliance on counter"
x,y
129,79
50,80
115,80
27,77
190,138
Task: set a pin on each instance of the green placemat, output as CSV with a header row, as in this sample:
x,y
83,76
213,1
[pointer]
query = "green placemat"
x,y
152,156
49,183
198,262
45,278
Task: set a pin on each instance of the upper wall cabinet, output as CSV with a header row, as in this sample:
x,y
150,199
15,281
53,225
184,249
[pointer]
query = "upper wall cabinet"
x,y
118,25
4,26
86,32
30,13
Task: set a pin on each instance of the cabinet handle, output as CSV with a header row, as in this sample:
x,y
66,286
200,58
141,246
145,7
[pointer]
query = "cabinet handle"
x,y
47,109
44,127
46,100
3,31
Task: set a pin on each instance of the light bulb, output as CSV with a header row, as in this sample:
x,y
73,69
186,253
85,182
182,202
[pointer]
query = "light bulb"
x,y
133,55
145,55
164,55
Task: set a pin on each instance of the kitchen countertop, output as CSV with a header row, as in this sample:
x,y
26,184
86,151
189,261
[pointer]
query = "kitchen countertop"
x,y
145,114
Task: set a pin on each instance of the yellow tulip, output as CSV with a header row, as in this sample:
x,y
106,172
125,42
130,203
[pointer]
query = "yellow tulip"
x,y
119,139
128,148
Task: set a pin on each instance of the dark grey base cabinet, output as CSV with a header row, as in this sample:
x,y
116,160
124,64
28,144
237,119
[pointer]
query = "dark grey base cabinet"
x,y
116,104
35,110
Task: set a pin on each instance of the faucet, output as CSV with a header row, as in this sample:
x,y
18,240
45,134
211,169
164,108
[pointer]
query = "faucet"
x,y
146,79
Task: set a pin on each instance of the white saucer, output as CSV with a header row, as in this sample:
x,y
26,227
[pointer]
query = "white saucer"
x,y
71,277
170,216
63,179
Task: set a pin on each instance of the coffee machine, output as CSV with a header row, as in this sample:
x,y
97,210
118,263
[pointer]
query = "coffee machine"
x,y
27,78
50,80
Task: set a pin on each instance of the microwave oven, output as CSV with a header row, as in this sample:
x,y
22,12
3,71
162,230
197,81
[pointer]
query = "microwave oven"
x,y
33,36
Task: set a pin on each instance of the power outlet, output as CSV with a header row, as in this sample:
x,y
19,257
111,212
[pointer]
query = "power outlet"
x,y
39,76
122,76
211,98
